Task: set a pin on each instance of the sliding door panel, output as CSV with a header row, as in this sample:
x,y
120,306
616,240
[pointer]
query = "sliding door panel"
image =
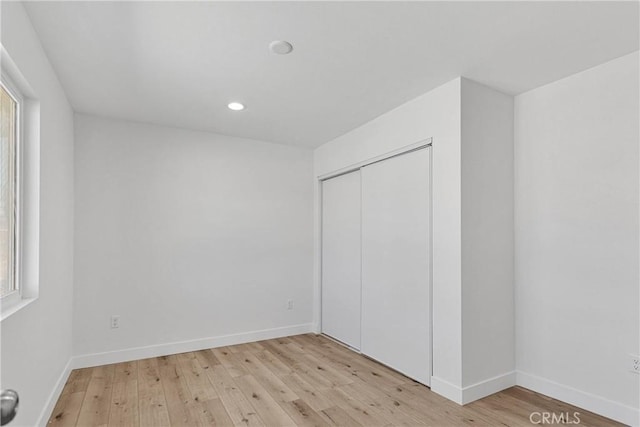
x,y
341,285
396,300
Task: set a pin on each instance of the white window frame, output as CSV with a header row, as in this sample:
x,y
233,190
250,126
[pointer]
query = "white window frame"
x,y
27,189
15,296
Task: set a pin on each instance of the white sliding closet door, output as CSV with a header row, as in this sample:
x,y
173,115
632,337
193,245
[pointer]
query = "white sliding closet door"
x,y
396,266
341,285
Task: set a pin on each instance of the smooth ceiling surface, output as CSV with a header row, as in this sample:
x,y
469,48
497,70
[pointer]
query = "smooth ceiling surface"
x,y
180,63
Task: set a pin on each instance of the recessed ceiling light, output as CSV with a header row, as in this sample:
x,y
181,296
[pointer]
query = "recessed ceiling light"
x,y
280,47
235,106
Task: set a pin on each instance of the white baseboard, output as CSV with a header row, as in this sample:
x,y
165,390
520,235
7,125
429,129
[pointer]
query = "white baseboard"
x,y
316,328
468,394
97,359
53,397
581,399
446,389
590,402
488,387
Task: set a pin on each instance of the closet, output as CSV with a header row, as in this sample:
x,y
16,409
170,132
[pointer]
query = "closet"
x,y
376,261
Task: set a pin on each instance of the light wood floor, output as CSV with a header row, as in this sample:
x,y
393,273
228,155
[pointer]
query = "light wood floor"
x,y
301,380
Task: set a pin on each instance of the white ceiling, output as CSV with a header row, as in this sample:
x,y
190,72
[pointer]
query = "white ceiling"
x,y
180,63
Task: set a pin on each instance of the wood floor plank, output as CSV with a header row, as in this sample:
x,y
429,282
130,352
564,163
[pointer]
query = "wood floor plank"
x,y
493,404
302,414
206,358
229,360
485,409
364,414
306,380
242,348
167,360
313,397
537,400
241,412
216,414
270,411
197,380
67,409
274,385
419,398
152,403
274,364
278,352
125,371
328,371
342,360
302,356
255,347
338,417
391,408
299,364
342,355
235,348
178,396
124,404
313,377
402,394
185,357
105,372
97,401
78,381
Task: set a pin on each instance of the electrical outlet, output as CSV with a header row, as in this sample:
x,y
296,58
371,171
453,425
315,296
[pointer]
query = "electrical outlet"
x,y
290,304
115,321
634,365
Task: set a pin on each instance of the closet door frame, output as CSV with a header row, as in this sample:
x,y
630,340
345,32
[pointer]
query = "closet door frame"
x,y
422,144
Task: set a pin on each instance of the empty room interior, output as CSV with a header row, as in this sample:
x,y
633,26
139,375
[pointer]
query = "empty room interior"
x,y
319,213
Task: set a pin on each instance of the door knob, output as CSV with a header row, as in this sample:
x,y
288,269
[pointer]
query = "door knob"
x,y
8,406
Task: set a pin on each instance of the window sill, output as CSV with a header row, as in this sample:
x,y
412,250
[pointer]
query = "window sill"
x,y
15,307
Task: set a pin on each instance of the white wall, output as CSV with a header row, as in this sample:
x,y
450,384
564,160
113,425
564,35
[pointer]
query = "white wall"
x,y
187,235
436,115
576,187
37,341
487,236
190,235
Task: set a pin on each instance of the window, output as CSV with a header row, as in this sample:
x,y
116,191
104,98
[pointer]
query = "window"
x,y
8,192
19,189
